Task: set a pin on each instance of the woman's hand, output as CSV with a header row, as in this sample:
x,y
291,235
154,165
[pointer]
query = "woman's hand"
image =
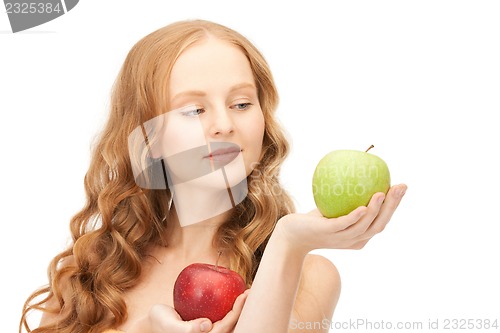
x,y
307,232
164,319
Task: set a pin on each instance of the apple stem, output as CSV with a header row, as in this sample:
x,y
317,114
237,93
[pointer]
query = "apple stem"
x,y
371,146
217,262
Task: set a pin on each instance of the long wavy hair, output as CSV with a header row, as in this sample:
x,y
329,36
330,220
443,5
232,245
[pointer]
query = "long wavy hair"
x,y
120,221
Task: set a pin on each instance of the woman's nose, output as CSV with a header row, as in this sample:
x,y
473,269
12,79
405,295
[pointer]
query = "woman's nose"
x,y
221,123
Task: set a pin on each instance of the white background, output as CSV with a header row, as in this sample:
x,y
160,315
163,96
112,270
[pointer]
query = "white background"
x,y
418,79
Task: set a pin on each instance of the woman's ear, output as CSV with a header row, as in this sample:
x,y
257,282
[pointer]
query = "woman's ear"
x,y
152,131
154,152
146,155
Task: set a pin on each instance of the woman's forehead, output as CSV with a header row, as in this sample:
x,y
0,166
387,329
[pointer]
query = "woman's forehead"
x,y
210,65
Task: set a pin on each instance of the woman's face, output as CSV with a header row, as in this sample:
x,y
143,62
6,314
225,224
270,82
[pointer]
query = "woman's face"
x,y
216,121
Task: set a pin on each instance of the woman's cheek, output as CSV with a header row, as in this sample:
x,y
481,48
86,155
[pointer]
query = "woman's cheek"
x,y
181,136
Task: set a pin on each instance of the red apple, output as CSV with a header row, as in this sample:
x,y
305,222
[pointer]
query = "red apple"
x,y
206,291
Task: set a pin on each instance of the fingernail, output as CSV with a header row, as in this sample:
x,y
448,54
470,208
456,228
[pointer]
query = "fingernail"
x,y
400,191
205,326
381,199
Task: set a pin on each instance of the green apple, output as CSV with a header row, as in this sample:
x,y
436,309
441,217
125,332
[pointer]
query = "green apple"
x,y
346,179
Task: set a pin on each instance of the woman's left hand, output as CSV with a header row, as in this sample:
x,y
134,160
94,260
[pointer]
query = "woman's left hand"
x,y
307,232
164,319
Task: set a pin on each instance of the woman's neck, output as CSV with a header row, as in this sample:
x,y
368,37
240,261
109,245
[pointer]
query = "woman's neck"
x,y
194,242
194,205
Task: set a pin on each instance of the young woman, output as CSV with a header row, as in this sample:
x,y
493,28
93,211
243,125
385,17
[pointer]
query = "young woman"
x,y
186,170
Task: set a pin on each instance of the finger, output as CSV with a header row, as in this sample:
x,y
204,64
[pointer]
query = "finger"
x,y
329,225
235,312
393,199
346,221
372,211
240,301
228,323
388,208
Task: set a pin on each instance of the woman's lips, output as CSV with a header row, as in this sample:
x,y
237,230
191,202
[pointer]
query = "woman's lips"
x,y
223,155
185,165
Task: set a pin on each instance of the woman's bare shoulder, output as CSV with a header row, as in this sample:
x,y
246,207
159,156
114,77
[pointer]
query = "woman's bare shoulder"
x,y
316,262
319,290
320,275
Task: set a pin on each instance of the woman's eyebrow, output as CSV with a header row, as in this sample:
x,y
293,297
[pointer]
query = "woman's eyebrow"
x,y
243,85
197,93
200,93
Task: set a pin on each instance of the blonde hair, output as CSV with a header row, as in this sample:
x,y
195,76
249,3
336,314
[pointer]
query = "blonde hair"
x,y
112,233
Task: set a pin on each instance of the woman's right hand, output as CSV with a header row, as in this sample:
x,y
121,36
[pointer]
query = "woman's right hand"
x,y
164,319
307,232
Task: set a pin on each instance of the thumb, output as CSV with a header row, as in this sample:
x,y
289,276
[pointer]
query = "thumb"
x,y
201,324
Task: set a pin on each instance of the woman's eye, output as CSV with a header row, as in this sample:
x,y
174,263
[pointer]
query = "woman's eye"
x,y
193,112
241,106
